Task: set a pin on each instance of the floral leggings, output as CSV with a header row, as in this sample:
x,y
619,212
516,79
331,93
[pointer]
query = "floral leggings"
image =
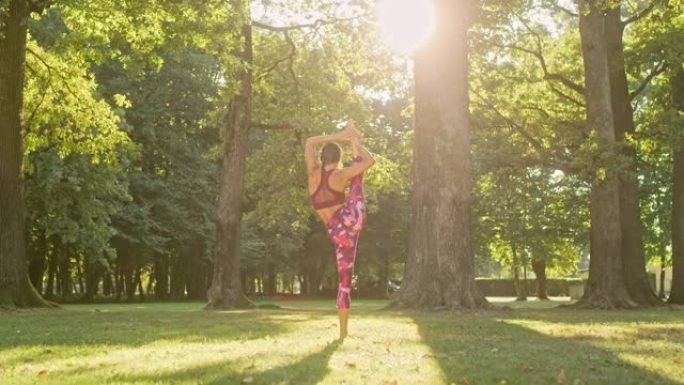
x,y
344,229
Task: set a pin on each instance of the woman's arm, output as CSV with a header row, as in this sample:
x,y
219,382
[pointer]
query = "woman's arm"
x,y
358,167
312,161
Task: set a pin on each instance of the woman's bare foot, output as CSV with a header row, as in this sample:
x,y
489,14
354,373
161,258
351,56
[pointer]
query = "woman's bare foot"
x,y
351,126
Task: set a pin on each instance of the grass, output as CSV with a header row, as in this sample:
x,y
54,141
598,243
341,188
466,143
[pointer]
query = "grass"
x,y
179,343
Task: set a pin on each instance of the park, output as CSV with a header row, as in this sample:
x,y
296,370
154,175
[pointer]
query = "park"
x,y
342,192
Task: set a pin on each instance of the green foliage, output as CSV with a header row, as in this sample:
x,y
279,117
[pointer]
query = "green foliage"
x,y
123,101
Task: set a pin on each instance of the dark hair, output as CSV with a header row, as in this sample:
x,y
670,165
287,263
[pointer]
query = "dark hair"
x,y
331,153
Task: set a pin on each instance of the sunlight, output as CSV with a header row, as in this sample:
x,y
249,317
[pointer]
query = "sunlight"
x,y
406,24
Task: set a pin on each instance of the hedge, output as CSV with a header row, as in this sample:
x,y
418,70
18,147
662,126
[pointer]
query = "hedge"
x,y
497,287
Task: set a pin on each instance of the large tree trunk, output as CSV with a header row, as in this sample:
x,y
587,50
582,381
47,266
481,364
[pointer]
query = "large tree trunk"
x,y
633,254
439,270
539,268
677,290
226,291
15,287
606,286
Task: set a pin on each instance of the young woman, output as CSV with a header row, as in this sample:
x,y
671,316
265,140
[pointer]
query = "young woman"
x,y
344,217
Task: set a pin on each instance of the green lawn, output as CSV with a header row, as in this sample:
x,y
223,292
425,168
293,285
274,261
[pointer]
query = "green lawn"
x,y
183,344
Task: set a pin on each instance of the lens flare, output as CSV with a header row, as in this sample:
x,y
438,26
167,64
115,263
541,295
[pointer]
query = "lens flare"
x,y
406,24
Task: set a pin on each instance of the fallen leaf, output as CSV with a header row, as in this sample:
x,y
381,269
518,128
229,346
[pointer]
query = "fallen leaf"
x,y
495,350
42,373
248,380
350,364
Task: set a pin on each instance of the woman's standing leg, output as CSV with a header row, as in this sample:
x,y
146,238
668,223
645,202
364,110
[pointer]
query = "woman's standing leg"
x,y
344,230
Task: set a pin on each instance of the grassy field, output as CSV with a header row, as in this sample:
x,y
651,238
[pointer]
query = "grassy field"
x,y
179,343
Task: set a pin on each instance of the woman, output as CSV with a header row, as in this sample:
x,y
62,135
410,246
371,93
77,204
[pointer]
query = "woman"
x,y
344,218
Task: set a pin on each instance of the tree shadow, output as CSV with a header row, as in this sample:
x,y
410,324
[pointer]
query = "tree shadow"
x,y
309,370
25,338
489,347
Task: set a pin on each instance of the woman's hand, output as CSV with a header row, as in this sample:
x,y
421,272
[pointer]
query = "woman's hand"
x,y
352,131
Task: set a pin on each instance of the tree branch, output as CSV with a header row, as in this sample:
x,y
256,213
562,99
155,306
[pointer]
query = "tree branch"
x,y
50,70
266,126
38,6
29,121
315,25
641,14
557,7
567,97
542,62
660,68
551,76
538,146
290,57
535,143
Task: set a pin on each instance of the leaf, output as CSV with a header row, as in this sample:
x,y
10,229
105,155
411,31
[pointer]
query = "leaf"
x,y
248,380
43,373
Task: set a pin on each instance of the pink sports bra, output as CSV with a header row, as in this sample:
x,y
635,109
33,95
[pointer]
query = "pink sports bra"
x,y
325,196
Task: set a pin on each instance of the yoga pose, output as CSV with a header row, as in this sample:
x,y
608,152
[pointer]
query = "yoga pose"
x,y
344,218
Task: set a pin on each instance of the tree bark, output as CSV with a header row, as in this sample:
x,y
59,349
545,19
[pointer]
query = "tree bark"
x,y
108,284
270,280
439,271
225,291
632,244
52,269
65,273
606,285
38,261
161,276
15,287
93,273
677,289
539,268
520,287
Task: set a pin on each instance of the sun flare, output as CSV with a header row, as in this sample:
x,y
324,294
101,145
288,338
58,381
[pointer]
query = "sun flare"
x,y
406,24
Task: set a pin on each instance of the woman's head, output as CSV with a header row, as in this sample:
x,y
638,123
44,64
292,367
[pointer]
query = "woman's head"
x,y
331,153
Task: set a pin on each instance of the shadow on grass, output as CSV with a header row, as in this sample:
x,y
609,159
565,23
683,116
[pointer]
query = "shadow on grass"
x,y
566,315
483,348
32,338
309,370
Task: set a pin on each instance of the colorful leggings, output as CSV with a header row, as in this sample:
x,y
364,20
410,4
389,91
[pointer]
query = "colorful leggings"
x,y
344,229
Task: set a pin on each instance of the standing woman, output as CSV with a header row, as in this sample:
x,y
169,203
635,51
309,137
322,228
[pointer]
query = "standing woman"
x,y
344,217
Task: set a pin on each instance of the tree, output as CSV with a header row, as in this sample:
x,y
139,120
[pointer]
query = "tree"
x,y
606,286
439,270
677,291
632,239
226,287
15,287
